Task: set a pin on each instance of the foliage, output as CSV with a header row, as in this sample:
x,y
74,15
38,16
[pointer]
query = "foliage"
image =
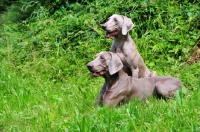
x,y
4,4
18,11
44,48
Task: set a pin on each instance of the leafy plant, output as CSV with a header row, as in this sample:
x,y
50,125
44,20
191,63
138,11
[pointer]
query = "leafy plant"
x,y
44,82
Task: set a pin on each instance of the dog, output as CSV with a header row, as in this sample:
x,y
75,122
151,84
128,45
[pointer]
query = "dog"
x,y
118,26
121,88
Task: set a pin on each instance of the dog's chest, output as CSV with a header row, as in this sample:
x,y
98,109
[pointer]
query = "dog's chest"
x,y
122,51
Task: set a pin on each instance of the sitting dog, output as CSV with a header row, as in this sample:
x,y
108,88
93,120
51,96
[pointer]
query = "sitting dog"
x,y
119,87
118,27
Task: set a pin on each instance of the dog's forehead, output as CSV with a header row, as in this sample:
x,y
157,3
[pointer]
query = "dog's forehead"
x,y
99,54
115,16
102,54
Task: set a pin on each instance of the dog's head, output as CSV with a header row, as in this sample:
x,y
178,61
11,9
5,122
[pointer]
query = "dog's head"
x,y
117,24
105,63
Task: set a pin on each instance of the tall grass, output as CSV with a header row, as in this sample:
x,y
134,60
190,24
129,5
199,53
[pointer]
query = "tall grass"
x,y
45,85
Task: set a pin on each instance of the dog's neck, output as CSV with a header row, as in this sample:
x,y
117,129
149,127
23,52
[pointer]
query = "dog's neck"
x,y
112,79
120,38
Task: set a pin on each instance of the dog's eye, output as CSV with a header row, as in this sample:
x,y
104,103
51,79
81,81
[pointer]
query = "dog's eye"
x,y
101,57
115,19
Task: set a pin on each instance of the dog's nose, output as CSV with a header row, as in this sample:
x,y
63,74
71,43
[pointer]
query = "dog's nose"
x,y
103,26
89,66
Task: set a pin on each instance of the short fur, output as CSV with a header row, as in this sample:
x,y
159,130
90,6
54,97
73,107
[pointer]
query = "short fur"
x,y
119,87
118,26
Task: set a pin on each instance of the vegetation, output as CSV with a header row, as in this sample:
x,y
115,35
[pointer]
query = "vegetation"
x,y
44,49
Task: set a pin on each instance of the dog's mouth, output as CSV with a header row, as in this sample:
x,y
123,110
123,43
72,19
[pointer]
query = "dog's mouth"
x,y
111,34
96,74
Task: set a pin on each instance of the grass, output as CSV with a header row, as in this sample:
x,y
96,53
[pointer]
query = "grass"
x,y
33,103
45,85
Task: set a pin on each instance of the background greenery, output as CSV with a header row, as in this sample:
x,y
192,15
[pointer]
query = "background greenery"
x,y
44,49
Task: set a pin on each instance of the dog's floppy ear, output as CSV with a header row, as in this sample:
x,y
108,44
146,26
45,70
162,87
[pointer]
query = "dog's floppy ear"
x,y
115,64
127,25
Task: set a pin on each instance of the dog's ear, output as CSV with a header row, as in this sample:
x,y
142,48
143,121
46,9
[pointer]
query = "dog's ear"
x,y
127,25
115,64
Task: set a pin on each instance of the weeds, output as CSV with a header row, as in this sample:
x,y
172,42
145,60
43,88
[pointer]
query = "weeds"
x,y
45,85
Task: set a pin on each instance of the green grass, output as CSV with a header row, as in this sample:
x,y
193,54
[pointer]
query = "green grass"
x,y
34,103
45,84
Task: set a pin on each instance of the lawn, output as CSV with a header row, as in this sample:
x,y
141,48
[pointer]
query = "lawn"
x,y
45,84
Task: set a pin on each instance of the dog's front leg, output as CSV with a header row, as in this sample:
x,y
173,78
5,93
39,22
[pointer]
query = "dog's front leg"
x,y
152,74
116,95
135,72
99,101
112,48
